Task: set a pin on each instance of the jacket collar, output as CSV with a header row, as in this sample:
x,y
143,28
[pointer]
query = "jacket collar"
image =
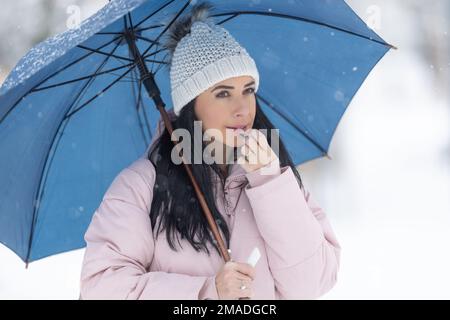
x,y
233,187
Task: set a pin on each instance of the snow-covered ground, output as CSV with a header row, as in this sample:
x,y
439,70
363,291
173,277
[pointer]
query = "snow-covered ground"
x,y
386,191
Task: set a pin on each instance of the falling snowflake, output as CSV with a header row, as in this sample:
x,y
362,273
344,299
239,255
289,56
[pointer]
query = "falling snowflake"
x,y
339,95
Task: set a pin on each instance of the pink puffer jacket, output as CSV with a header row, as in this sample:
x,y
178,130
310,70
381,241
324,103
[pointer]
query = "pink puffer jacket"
x,y
124,259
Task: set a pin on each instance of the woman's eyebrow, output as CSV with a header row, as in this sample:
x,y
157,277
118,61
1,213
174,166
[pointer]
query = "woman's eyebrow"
x,y
230,87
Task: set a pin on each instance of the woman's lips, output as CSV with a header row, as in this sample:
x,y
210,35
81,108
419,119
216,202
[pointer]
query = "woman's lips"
x,y
238,130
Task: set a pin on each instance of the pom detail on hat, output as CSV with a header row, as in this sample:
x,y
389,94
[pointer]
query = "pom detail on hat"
x,y
182,26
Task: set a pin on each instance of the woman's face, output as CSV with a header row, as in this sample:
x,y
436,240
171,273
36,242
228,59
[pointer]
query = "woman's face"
x,y
229,104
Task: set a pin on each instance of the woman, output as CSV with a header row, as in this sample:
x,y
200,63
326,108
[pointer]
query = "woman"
x,y
149,238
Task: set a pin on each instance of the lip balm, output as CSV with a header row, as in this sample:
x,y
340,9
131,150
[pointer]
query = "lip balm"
x,y
254,257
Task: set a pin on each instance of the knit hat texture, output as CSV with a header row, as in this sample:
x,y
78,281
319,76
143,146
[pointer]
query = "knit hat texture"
x,y
201,54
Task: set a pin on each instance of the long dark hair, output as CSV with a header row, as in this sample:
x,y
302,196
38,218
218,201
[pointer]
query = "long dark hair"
x,y
174,200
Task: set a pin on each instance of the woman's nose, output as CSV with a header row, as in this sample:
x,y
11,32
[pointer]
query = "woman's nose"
x,y
242,110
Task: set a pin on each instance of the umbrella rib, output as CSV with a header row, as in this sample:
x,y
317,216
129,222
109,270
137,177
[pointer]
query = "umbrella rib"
x,y
104,53
151,27
54,74
155,52
162,64
40,192
130,20
128,80
100,92
156,61
82,78
295,126
168,26
108,33
146,39
281,15
153,13
229,18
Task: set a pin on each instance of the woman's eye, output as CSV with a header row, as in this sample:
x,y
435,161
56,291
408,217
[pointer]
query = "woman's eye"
x,y
220,94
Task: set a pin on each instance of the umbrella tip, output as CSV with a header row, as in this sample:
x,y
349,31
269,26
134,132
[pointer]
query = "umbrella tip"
x,y
393,47
328,156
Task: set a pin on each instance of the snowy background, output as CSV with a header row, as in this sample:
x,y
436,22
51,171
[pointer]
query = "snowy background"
x,y
386,190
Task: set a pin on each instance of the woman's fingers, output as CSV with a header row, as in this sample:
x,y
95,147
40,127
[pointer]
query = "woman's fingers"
x,y
256,151
243,277
243,288
245,269
252,145
235,280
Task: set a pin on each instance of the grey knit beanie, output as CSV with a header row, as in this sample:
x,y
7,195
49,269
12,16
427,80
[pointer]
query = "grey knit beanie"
x,y
202,54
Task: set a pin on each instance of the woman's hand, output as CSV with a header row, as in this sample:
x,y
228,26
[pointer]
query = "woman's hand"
x,y
231,277
255,151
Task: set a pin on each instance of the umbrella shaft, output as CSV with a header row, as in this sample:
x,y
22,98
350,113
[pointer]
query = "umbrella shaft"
x,y
146,76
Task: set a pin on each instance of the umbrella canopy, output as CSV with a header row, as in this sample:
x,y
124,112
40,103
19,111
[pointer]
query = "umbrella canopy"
x,y
74,111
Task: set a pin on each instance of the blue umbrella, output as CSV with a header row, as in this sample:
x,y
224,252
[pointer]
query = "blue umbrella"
x,y
80,106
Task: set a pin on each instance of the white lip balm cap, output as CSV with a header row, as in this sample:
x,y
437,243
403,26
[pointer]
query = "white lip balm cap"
x,y
254,257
